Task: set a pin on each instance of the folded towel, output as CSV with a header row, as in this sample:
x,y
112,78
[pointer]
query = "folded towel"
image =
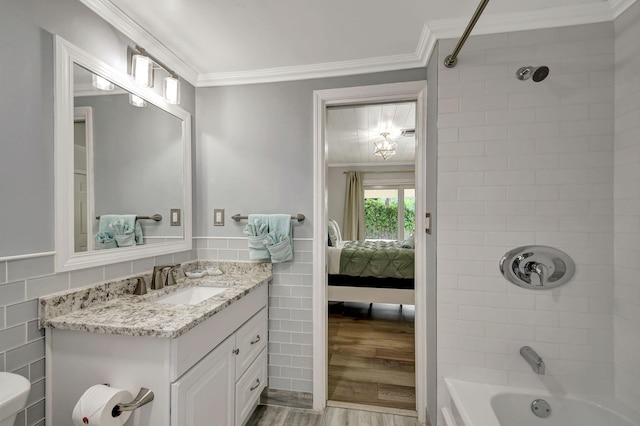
x,y
125,229
104,241
279,242
256,230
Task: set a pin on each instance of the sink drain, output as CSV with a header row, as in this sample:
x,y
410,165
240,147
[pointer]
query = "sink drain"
x,y
541,408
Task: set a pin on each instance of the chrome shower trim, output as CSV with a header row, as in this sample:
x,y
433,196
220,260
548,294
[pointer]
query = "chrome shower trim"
x,y
451,60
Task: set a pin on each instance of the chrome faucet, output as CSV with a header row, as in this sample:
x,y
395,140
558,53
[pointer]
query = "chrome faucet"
x,y
158,279
141,286
537,273
534,360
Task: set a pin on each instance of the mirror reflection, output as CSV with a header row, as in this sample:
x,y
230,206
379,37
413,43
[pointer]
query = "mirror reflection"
x,y
128,168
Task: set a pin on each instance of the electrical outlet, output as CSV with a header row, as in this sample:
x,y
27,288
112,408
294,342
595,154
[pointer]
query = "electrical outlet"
x,y
175,217
218,217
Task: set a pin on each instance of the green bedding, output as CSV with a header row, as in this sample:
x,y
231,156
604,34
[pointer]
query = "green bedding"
x,y
376,259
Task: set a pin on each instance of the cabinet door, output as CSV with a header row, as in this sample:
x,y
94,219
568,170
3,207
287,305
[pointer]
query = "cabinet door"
x,y
204,395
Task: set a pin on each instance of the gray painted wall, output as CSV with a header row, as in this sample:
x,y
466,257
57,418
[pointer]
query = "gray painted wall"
x,y
26,173
255,149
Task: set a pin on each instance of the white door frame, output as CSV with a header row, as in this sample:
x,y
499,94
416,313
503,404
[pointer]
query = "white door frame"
x,y
409,91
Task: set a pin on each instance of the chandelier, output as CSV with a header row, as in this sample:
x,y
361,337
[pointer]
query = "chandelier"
x,y
386,147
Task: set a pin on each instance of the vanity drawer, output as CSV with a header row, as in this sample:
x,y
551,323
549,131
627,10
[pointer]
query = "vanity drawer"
x,y
249,388
251,338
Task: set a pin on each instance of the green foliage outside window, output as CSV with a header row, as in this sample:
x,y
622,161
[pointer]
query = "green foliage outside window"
x,y
381,217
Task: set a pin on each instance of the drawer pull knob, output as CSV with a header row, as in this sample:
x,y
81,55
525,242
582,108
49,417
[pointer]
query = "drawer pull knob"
x,y
254,387
236,351
253,342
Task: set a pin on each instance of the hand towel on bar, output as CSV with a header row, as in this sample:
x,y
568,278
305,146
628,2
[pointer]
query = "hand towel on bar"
x,y
256,230
125,229
280,239
104,241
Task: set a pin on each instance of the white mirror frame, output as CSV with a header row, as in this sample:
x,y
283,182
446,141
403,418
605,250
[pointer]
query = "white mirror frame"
x,y
66,54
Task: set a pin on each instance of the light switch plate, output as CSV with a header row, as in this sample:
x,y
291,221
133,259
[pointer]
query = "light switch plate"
x,y
175,217
218,217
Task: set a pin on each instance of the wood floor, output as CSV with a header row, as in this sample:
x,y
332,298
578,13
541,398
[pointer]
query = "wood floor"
x,y
372,355
268,415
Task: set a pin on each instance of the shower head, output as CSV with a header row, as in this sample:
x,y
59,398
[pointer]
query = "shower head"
x,y
535,73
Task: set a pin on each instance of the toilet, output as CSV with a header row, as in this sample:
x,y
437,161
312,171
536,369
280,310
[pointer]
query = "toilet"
x,y
14,391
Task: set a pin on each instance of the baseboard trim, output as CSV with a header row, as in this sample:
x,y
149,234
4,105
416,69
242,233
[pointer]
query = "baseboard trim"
x,y
286,398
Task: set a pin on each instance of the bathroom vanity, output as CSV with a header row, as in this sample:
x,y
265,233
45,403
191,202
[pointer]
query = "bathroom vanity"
x,y
206,363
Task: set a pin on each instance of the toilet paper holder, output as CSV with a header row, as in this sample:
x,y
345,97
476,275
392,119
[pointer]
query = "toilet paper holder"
x,y
145,396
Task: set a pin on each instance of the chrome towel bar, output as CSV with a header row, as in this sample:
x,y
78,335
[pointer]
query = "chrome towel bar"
x,y
157,217
238,217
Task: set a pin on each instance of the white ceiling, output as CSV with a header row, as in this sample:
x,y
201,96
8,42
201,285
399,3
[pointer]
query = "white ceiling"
x,y
352,131
224,42
217,42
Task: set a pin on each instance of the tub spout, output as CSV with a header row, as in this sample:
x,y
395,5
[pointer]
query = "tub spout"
x,y
534,360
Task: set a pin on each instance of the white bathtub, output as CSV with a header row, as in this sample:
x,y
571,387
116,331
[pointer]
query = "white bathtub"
x,y
479,404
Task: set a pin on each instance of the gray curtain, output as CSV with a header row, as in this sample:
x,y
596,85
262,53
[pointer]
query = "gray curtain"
x,y
354,208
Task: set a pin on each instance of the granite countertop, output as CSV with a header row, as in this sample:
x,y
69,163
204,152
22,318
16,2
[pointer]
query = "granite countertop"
x,y
97,310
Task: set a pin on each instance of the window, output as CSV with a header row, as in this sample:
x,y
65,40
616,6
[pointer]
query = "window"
x,y
389,212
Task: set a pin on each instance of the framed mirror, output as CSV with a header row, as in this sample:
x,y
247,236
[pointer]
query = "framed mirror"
x,y
122,166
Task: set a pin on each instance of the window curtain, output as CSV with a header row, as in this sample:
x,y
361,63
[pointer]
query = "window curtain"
x,y
354,208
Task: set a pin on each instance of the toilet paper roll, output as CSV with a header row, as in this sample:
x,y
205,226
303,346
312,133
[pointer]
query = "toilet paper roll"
x,y
96,404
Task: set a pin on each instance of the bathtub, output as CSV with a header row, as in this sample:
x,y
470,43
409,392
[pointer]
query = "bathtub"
x,y
479,404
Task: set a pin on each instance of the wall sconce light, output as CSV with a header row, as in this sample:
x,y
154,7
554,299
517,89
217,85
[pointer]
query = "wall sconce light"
x,y
171,89
137,101
101,83
141,68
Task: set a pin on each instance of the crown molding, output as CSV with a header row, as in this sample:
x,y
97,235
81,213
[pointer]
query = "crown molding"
x,y
305,72
375,164
619,6
127,26
599,11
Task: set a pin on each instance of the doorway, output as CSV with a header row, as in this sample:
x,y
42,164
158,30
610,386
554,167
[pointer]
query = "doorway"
x,y
371,186
397,92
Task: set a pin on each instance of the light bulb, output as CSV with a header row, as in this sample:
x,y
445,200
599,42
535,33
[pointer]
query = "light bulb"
x,y
137,101
142,70
171,90
101,83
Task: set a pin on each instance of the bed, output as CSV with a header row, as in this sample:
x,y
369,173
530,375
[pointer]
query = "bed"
x,y
370,271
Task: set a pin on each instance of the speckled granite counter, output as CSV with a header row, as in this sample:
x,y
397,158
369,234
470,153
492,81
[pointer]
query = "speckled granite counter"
x,y
112,308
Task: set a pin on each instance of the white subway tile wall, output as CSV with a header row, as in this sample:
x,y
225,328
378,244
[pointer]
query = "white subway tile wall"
x,y
527,163
290,310
22,281
627,207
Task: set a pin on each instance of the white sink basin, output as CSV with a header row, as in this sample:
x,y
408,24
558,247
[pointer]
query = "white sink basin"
x,y
190,296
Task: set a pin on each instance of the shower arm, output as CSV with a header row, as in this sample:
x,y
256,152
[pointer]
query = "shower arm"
x,y
451,60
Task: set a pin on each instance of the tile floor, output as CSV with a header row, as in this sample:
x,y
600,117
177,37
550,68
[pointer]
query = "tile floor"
x,y
269,415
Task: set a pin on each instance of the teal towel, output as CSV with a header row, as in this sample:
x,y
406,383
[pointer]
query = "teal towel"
x,y
104,241
280,239
256,230
125,226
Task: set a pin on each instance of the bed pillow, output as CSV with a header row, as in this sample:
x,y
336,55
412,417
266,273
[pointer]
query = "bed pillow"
x,y
334,233
409,243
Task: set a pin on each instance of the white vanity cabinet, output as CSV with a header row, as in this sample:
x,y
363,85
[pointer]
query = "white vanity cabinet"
x,y
226,384
212,374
